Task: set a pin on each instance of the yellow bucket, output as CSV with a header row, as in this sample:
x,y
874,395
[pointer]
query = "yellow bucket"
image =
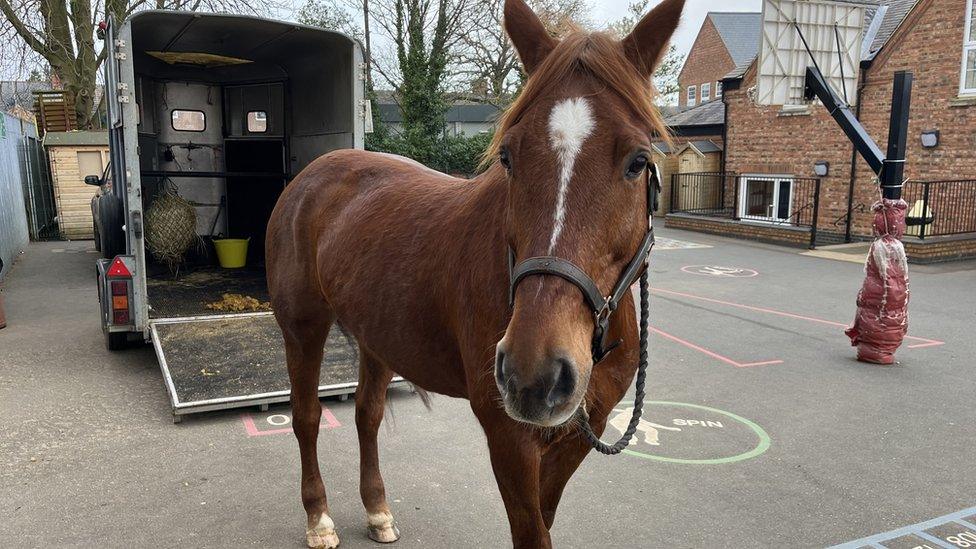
x,y
231,252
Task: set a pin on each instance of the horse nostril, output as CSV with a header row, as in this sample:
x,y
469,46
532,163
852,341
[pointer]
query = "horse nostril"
x,y
564,383
500,373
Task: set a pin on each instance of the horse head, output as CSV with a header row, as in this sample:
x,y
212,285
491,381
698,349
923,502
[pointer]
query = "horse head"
x,y
575,148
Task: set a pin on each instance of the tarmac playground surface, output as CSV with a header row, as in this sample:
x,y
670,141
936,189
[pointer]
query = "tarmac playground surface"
x,y
762,430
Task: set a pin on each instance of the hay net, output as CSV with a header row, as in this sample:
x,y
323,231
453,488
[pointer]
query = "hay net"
x,y
171,227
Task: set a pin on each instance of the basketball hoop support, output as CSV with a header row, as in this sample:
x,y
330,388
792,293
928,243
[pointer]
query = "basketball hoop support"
x,y
889,168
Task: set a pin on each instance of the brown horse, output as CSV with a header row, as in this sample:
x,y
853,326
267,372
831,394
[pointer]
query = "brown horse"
x,y
413,264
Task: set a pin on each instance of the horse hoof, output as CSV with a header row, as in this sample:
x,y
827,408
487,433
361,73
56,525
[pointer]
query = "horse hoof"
x,y
322,534
381,529
384,535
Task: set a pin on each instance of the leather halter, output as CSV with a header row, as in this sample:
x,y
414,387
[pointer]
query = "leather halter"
x,y
602,307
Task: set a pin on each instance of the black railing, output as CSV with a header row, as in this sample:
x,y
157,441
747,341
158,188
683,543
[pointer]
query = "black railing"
x,y
777,200
705,193
940,208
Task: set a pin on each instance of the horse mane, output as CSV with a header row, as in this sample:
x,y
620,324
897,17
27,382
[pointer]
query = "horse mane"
x,y
598,55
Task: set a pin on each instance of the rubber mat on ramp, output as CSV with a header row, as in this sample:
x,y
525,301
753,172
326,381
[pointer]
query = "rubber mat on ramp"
x,y
231,361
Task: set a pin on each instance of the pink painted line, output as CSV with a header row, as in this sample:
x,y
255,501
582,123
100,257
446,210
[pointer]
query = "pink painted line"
x,y
712,354
925,342
751,364
249,426
330,422
923,345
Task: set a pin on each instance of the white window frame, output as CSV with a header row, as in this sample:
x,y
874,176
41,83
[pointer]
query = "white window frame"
x,y
967,46
776,179
692,96
718,89
706,92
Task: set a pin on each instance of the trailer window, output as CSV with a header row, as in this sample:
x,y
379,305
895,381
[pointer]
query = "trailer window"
x,y
257,122
189,121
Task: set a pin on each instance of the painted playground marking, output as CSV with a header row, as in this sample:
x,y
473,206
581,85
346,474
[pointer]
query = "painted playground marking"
x,y
712,354
663,243
953,530
720,271
280,423
921,341
692,434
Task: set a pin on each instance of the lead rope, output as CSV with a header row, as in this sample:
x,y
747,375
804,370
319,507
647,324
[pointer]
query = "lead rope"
x,y
584,423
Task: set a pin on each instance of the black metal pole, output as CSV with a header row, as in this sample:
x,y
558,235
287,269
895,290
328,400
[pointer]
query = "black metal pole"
x,y
817,86
893,174
672,197
735,196
925,210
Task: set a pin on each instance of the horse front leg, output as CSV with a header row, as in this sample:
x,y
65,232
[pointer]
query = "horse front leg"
x,y
374,378
560,461
515,459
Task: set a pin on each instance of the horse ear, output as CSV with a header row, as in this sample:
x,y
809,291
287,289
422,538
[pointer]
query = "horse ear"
x,y
530,37
645,45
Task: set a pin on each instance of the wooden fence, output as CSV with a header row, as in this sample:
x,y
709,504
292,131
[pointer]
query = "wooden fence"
x,y
55,112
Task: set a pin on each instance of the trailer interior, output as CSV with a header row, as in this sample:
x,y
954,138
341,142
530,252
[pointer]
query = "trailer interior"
x,y
230,109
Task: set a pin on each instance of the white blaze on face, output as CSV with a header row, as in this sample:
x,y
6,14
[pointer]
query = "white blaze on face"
x,y
570,123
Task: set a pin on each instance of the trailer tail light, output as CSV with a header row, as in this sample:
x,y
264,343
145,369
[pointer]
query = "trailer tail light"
x,y
120,288
118,269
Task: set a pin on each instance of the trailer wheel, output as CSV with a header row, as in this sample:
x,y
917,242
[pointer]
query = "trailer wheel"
x,y
111,236
116,341
98,238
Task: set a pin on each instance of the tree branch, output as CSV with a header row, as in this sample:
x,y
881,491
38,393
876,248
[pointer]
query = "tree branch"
x,y
21,29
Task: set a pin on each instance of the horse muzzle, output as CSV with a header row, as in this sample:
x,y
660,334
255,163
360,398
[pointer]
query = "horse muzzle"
x,y
546,395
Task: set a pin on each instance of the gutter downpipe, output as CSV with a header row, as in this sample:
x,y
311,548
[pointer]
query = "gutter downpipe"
x,y
725,127
862,82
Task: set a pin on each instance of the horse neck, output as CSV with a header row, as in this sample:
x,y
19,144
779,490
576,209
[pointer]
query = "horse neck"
x,y
479,217
486,206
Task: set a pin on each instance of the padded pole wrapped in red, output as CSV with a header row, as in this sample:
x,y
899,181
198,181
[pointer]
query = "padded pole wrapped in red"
x,y
882,303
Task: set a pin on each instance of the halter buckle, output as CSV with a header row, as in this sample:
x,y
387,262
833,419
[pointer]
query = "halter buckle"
x,y
605,311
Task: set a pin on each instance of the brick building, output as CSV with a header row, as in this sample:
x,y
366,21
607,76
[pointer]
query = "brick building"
x,y
725,41
771,148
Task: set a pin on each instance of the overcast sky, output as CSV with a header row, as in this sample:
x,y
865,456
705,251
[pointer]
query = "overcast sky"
x,y
605,11
691,21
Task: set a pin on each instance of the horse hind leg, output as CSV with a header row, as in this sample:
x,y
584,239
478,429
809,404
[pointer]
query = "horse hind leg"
x,y
374,378
304,347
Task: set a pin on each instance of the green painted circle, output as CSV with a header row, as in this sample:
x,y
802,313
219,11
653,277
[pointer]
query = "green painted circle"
x,y
760,448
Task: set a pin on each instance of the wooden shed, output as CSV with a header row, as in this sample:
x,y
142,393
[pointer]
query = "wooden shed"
x,y
667,161
699,156
72,156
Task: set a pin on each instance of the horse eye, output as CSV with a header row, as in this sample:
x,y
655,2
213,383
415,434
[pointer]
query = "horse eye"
x,y
504,159
637,167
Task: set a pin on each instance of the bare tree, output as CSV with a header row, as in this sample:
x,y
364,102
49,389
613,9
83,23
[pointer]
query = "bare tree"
x,y
666,74
488,60
488,57
330,15
419,36
62,33
562,16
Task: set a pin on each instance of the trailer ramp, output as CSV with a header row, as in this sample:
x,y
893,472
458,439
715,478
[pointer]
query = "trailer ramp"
x,y
230,361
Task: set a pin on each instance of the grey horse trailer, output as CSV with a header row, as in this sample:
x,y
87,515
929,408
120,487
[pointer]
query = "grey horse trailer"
x,y
220,111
